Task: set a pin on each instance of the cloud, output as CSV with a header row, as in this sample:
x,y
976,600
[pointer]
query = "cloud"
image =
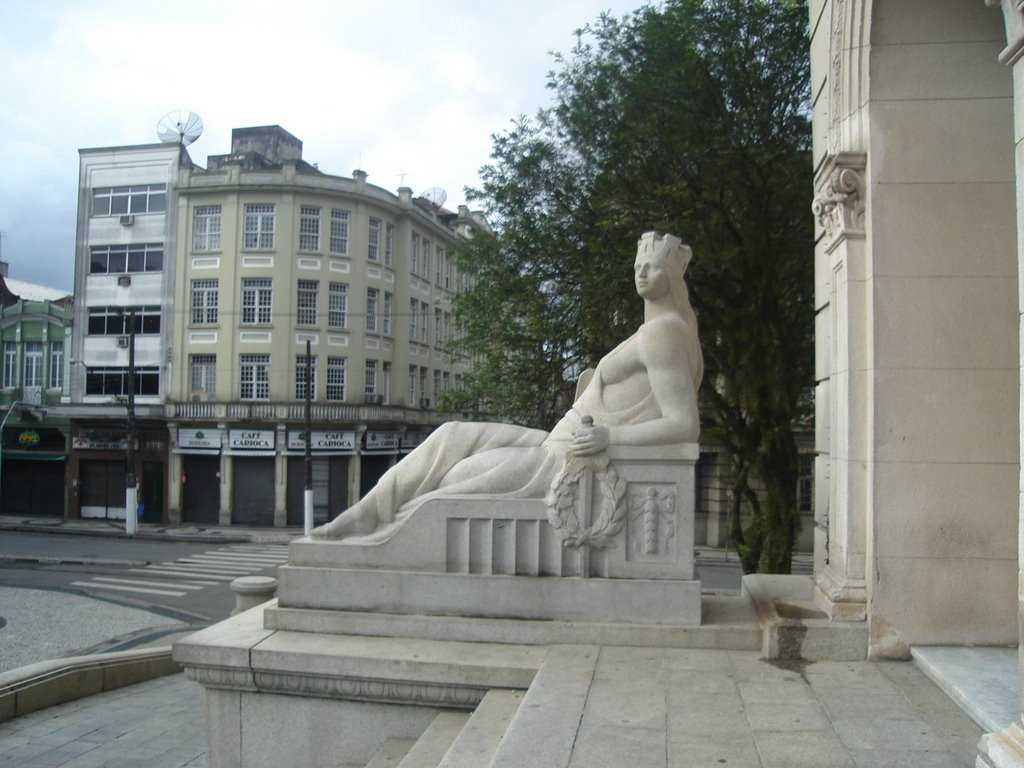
x,y
407,91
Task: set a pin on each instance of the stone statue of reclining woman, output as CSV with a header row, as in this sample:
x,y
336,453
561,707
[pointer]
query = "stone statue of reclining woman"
x,y
643,392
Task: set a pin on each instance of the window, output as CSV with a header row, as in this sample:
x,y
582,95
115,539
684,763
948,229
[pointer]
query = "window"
x,y
373,240
372,295
120,259
309,228
424,314
371,378
423,384
339,231
389,244
447,327
117,201
206,228
257,297
414,308
56,364
335,378
306,302
114,381
204,301
10,364
203,374
805,487
446,382
447,272
385,375
259,225
337,305
254,377
426,258
116,321
411,397
300,377
33,364
437,385
438,339
414,258
438,266
386,319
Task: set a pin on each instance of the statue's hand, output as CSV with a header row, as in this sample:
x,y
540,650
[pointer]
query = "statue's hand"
x,y
588,439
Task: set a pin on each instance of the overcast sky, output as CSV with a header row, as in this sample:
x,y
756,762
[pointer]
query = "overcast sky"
x,y
390,86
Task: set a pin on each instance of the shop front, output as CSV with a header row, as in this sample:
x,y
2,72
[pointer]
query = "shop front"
x,y
32,471
330,466
98,467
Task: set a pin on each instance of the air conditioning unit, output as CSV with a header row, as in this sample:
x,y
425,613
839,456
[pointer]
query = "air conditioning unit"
x,y
122,342
374,399
200,397
127,220
424,402
124,281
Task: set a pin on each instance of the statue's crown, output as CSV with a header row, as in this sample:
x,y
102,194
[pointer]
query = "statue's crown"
x,y
667,247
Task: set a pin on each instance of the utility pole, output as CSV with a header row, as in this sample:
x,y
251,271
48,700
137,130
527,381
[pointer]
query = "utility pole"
x,y
131,490
307,496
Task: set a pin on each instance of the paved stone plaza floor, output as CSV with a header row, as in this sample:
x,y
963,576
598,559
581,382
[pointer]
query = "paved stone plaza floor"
x,y
664,709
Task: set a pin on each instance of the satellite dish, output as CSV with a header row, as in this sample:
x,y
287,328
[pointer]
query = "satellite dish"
x,y
179,127
435,196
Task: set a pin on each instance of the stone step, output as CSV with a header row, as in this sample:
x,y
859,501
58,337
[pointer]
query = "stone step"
x,y
435,741
479,738
391,753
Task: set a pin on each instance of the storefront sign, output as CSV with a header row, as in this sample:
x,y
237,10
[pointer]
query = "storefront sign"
x,y
199,438
382,441
99,441
251,439
322,441
411,440
28,439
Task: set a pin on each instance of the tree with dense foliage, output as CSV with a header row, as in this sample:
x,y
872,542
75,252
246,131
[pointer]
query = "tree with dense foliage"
x,y
691,118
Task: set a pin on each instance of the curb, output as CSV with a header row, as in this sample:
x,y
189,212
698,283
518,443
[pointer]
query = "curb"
x,y
44,560
200,538
47,683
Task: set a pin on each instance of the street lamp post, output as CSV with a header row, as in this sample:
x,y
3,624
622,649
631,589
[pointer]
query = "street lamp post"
x,y
131,490
307,496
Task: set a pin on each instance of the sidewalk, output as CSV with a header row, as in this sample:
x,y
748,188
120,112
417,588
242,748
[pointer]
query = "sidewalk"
x,y
664,708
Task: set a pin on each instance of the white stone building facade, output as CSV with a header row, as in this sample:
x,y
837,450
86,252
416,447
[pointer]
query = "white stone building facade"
x,y
918,121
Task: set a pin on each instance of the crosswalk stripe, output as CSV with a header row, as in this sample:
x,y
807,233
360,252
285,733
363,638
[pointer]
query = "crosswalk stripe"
x,y
217,568
163,584
195,573
230,563
123,588
228,557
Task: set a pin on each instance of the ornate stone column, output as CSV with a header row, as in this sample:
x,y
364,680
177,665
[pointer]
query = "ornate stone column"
x,y
1006,748
843,390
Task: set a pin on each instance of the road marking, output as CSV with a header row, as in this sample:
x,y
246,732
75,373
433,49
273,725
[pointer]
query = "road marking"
x,y
122,588
159,570
164,584
195,572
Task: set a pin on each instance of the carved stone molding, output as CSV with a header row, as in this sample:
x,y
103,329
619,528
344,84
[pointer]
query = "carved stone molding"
x,y
367,689
222,677
835,75
1002,750
839,205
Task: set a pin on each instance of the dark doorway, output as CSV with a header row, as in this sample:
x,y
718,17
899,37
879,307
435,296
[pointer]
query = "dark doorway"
x,y
330,488
33,488
152,492
252,499
200,491
370,471
102,489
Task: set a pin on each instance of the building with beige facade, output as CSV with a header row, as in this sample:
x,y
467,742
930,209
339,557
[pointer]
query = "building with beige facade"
x,y
232,272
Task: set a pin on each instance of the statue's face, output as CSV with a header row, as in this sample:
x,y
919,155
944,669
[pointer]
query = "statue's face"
x,y
651,276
